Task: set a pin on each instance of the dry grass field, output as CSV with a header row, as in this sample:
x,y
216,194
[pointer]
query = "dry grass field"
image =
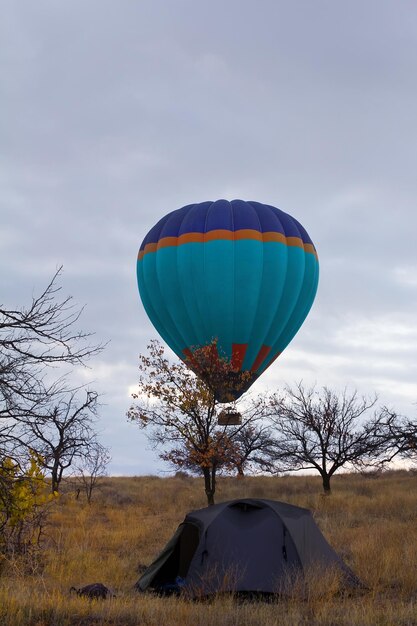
x,y
371,522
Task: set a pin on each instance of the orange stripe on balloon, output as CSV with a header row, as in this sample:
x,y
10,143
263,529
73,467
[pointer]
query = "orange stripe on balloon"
x,y
262,354
308,247
295,241
272,236
238,355
191,238
150,247
227,235
213,235
167,242
246,233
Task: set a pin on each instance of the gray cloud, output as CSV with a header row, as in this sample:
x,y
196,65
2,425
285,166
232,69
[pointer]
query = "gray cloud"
x,y
116,113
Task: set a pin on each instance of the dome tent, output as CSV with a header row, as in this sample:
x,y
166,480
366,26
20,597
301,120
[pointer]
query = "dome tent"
x,y
244,546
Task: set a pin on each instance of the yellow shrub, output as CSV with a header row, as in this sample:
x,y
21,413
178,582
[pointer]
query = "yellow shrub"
x,y
24,498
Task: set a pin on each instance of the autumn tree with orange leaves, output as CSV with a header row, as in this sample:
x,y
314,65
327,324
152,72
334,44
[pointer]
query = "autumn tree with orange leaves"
x,y
179,412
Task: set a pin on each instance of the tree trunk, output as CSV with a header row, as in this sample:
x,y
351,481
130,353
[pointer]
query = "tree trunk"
x,y
326,484
89,489
209,484
240,472
55,478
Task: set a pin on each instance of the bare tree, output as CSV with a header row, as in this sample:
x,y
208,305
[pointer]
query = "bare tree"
x,y
40,344
400,434
91,467
37,345
32,340
179,410
324,431
65,432
406,439
253,447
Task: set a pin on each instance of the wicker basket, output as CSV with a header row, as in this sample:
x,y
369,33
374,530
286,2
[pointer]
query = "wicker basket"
x,y
228,417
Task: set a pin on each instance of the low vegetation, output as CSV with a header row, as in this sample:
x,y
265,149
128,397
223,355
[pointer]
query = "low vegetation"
x,y
370,521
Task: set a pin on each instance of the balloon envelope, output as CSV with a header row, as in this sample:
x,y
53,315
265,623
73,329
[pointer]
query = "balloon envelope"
x,y
241,274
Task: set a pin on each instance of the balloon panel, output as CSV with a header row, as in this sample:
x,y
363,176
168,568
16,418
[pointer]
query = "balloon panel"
x,y
242,273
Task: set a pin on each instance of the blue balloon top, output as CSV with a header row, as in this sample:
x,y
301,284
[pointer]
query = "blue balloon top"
x,y
224,215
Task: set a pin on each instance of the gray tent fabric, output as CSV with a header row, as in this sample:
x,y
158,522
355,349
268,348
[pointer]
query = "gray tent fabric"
x,y
249,546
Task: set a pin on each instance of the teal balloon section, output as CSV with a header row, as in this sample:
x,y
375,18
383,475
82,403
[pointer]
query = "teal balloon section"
x,y
243,274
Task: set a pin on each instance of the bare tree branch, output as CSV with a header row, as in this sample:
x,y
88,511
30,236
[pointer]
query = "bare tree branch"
x,y
38,408
32,341
324,431
65,433
89,468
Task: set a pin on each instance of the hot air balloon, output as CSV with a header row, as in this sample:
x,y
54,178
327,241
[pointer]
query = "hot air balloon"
x,y
239,276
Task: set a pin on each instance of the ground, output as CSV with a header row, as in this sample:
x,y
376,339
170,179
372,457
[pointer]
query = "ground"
x,y
370,521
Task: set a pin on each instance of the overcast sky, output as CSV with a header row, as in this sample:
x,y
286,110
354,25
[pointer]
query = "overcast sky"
x,y
115,113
